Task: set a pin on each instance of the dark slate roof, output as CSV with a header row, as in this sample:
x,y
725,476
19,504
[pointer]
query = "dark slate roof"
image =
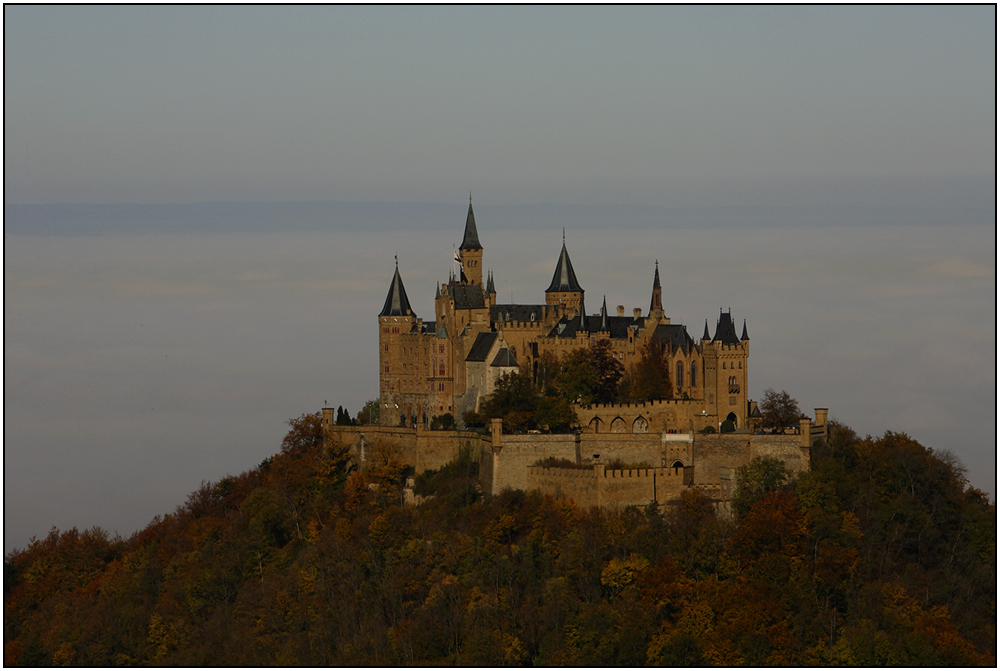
x,y
604,316
675,336
744,336
467,296
481,347
725,332
564,279
617,326
707,336
396,302
517,313
504,358
490,289
430,327
471,239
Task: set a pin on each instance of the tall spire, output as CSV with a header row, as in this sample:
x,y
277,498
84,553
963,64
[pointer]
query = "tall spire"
x,y
490,289
707,336
656,302
604,316
564,279
744,336
396,302
471,239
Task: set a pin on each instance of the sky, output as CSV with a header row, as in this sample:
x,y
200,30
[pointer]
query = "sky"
x,y
829,173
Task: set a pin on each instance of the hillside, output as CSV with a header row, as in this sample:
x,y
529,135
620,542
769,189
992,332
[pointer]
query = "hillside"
x,y
881,555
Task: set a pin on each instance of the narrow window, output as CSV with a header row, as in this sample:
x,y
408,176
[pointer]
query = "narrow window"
x,y
680,373
694,374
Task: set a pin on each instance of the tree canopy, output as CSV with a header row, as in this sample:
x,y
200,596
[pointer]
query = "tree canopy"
x,y
881,554
779,409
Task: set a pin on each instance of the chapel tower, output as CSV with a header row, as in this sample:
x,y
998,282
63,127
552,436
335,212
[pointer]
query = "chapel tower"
x,y
471,252
564,290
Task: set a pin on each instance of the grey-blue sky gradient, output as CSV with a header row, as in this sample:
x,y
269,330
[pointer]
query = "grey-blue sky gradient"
x,y
827,172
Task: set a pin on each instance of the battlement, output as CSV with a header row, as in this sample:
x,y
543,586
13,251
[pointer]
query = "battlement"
x,y
639,405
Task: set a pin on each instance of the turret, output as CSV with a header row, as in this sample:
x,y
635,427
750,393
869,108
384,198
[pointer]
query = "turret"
x,y
656,303
491,292
565,290
471,252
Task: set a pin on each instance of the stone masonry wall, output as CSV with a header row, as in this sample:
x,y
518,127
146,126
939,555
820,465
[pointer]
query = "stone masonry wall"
x,y
717,456
422,449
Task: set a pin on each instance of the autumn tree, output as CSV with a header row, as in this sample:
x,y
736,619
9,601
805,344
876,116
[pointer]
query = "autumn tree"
x,y
755,480
649,377
779,410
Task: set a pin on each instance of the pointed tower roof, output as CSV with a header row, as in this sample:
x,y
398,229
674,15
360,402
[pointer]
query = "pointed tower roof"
x,y
725,332
564,279
490,289
707,336
604,316
744,336
396,303
656,303
471,239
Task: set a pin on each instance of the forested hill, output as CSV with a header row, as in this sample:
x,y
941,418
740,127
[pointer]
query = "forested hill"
x,y
881,555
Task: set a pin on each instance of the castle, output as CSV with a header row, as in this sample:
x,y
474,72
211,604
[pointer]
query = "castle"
x,y
449,365
621,453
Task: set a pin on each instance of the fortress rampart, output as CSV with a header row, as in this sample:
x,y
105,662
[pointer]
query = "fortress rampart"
x,y
676,461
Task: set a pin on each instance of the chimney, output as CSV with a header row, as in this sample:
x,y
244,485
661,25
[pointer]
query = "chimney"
x,y
621,310
636,313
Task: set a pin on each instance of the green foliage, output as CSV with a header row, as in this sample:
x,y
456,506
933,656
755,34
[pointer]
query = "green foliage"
x,y
516,400
557,462
445,422
649,378
879,555
708,429
779,410
619,464
369,414
728,426
473,420
755,480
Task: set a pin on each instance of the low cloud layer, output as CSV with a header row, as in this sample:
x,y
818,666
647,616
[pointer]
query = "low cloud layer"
x,y
137,366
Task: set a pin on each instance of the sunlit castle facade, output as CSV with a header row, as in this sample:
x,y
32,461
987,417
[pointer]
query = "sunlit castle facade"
x,y
450,364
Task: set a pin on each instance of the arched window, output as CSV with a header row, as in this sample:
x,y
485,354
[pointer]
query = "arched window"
x,y
694,374
441,368
640,425
680,373
618,425
723,365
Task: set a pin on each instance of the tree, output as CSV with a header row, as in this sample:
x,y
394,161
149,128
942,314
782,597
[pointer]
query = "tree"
x,y
514,399
578,377
779,410
306,433
756,480
609,371
445,422
369,413
650,376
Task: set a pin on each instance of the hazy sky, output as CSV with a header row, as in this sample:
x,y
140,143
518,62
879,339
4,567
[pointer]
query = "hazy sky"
x,y
137,364
664,105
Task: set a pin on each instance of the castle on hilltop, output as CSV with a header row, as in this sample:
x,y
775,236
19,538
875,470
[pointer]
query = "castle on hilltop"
x,y
622,453
450,364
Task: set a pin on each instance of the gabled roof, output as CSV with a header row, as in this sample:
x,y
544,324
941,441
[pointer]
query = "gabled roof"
x,y
481,347
674,336
725,332
396,302
467,296
564,279
504,359
517,313
471,239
